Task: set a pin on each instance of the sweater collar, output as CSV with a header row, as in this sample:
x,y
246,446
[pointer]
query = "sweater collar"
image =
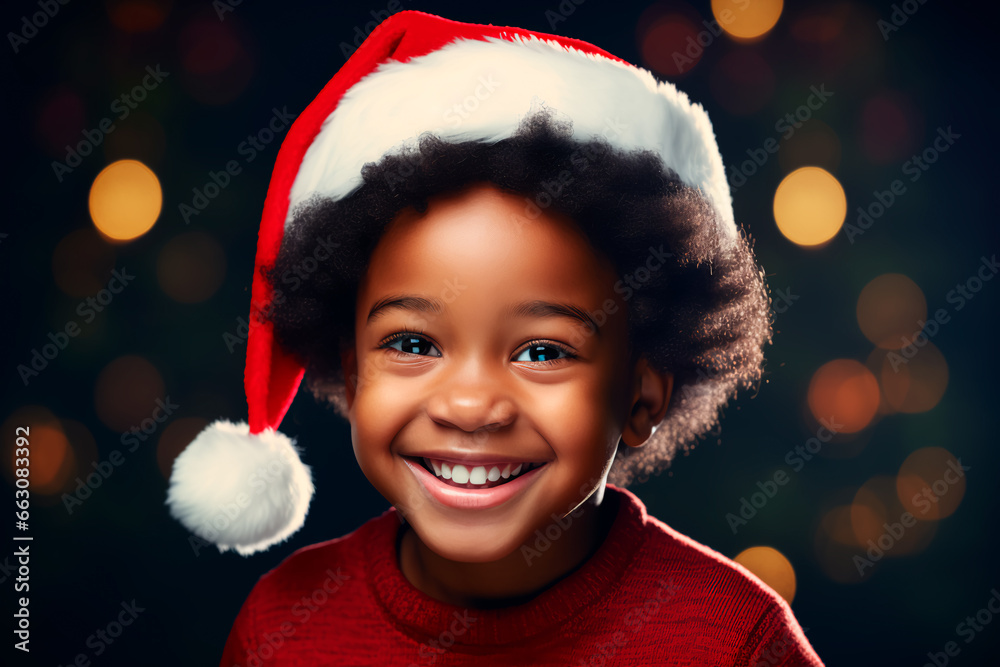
x,y
425,618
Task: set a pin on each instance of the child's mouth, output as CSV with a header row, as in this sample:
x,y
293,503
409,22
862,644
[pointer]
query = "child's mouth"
x,y
485,476
477,491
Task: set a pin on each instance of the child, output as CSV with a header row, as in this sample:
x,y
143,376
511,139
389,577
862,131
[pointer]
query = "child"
x,y
510,260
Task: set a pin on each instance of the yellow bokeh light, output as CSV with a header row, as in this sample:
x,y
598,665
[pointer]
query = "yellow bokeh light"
x,y
810,206
747,20
125,200
771,566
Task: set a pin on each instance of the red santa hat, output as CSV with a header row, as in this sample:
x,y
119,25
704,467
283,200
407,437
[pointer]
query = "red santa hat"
x,y
242,486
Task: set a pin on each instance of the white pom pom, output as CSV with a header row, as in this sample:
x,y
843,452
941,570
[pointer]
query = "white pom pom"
x,y
240,491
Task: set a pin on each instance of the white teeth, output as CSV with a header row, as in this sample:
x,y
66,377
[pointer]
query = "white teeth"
x,y
460,474
477,475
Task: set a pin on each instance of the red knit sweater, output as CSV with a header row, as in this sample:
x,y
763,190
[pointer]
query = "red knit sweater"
x,y
648,596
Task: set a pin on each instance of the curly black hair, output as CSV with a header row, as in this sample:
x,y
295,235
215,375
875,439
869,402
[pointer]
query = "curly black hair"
x,y
704,316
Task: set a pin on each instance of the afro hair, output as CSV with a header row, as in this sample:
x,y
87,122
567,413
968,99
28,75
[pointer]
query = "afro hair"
x,y
705,317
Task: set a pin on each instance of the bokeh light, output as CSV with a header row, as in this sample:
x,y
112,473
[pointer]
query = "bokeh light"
x,y
867,516
48,449
134,16
931,483
845,392
191,267
771,567
127,392
809,206
216,65
666,45
835,546
747,20
60,121
176,436
879,520
891,310
742,82
916,383
874,363
813,144
52,459
890,127
125,200
820,25
82,263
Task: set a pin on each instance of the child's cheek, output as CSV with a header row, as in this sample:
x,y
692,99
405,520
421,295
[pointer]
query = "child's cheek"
x,y
575,419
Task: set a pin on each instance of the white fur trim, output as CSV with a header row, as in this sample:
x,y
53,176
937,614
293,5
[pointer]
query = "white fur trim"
x,y
496,83
240,491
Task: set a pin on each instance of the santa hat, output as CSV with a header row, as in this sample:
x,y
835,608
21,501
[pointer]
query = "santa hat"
x,y
243,486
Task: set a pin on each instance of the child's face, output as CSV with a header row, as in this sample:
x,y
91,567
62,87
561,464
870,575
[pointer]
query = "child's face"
x,y
473,381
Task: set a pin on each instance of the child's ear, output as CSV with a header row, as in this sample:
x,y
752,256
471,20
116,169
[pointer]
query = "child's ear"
x,y
349,362
651,391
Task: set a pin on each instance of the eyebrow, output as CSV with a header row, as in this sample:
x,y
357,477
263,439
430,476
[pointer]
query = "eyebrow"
x,y
403,302
536,308
540,308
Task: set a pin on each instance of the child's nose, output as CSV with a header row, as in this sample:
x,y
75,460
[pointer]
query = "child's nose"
x,y
483,406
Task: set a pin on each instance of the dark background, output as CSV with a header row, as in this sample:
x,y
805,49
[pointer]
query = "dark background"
x,y
226,76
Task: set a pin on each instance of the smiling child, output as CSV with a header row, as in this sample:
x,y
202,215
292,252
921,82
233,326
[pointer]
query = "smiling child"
x,y
509,260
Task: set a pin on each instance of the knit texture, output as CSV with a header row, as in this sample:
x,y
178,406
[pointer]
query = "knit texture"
x,y
648,596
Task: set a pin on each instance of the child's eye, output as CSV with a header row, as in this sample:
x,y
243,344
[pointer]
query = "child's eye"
x,y
542,352
410,343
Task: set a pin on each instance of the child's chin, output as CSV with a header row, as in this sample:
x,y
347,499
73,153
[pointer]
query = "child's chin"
x,y
467,545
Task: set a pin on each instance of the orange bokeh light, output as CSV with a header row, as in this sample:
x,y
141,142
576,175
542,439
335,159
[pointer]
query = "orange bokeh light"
x,y
931,483
126,392
49,459
125,200
882,526
747,20
810,206
771,567
891,310
914,384
52,460
836,546
846,392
